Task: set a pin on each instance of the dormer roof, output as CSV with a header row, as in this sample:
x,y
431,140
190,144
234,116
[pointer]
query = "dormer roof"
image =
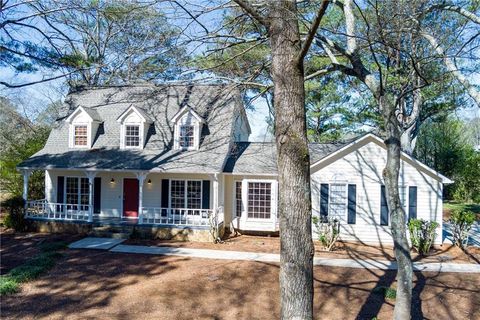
x,y
91,113
139,111
185,110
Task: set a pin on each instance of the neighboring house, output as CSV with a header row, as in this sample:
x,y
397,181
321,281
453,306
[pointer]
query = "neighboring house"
x,y
177,158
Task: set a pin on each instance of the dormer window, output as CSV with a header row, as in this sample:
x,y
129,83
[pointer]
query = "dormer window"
x,y
81,136
187,129
83,123
187,136
132,136
134,124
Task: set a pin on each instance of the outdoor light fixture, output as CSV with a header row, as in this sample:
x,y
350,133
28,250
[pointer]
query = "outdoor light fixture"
x,y
149,181
112,181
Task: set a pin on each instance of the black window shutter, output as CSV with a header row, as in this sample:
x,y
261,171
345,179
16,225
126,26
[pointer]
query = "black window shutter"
x,y
323,201
60,187
206,194
165,192
383,208
352,203
97,194
412,202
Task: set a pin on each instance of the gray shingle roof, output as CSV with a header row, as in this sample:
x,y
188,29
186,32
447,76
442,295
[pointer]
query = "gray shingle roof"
x,y
93,114
261,157
217,104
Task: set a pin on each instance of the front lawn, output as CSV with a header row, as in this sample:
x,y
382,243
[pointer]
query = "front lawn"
x,y
94,284
449,206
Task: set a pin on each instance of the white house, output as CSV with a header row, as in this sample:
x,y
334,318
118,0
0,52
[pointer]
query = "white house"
x,y
177,157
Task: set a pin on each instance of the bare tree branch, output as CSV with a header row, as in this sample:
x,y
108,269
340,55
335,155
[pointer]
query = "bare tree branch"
x,y
313,30
452,67
247,7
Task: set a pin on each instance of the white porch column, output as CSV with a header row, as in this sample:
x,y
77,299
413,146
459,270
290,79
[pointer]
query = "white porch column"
x,y
26,174
215,192
91,176
141,176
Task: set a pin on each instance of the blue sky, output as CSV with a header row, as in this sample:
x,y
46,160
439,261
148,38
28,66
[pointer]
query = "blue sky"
x,y
35,98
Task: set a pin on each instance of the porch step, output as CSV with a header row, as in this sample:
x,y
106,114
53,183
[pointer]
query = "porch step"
x,y
110,232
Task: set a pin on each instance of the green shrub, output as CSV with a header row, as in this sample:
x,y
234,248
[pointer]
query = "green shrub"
x,y
462,222
422,234
15,213
328,232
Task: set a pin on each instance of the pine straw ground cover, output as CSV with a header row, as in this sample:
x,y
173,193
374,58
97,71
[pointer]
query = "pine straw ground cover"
x,y
89,284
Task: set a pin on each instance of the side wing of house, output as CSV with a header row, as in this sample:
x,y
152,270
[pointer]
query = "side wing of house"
x,y
348,185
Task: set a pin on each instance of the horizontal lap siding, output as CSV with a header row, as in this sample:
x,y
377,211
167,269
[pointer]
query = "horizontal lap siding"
x,y
364,167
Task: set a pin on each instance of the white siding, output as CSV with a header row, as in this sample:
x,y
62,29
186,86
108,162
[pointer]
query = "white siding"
x,y
364,167
112,193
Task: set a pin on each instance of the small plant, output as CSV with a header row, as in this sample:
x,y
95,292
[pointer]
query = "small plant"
x,y
328,232
387,292
422,234
15,216
462,222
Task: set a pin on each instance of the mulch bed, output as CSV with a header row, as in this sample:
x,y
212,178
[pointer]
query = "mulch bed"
x,y
93,284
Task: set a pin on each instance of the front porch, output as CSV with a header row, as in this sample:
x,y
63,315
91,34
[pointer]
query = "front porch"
x,y
159,205
44,210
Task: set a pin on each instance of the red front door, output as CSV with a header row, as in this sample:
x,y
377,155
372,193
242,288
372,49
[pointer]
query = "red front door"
x,y
130,198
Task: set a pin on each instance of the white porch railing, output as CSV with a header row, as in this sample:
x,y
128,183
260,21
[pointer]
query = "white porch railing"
x,y
58,211
182,216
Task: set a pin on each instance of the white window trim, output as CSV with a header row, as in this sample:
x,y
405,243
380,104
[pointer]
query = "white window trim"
x,y
185,192
234,207
195,123
72,135
345,213
140,135
405,207
273,200
79,193
123,130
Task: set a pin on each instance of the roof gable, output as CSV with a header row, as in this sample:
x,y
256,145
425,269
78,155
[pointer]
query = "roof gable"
x,y
369,138
138,111
184,111
90,113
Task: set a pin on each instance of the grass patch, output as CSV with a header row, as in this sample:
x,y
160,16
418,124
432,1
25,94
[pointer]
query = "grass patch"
x,y
387,292
32,269
8,285
452,205
53,246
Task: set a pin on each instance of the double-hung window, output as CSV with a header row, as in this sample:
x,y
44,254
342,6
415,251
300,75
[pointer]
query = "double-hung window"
x,y
338,200
132,136
186,194
187,136
259,200
238,198
77,193
80,137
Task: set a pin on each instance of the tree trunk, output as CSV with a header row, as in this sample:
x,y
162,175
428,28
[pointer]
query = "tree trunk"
x,y
397,214
296,246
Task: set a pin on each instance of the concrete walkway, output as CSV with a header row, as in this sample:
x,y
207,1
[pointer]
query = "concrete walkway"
x,y
275,258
